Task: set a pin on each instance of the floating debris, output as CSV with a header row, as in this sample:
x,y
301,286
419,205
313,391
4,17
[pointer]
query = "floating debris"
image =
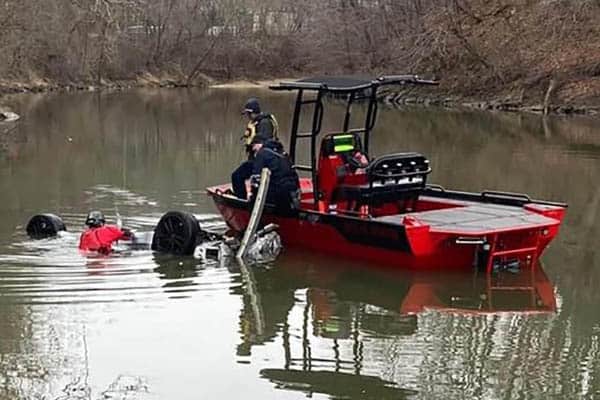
x,y
126,387
8,116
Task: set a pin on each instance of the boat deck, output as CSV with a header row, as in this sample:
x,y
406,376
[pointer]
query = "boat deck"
x,y
476,218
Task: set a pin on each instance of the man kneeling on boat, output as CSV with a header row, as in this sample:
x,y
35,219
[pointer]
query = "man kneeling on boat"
x,y
284,186
261,127
99,236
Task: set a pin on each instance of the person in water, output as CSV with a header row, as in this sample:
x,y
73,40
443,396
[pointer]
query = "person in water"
x,y
261,128
284,186
99,236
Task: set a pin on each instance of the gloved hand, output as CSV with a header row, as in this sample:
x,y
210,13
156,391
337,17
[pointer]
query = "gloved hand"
x,y
255,181
127,233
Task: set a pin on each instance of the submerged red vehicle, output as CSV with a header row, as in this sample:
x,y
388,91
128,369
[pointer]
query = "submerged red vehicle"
x,y
384,210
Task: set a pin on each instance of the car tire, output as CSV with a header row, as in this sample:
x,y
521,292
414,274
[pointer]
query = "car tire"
x,y
176,233
43,226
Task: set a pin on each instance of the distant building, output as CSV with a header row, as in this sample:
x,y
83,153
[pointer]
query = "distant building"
x,y
218,30
273,22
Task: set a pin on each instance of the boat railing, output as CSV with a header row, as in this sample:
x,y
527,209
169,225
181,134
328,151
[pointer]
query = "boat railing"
x,y
506,195
489,196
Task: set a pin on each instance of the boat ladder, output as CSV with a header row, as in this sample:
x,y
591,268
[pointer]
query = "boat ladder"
x,y
501,250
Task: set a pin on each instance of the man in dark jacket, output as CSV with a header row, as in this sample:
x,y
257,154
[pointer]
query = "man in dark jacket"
x,y
260,125
261,128
284,186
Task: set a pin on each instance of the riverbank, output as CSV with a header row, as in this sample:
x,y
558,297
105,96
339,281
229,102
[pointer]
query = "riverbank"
x,y
146,79
576,98
499,100
8,87
540,56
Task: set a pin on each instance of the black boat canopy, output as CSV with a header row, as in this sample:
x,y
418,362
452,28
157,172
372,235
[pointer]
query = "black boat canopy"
x,y
348,84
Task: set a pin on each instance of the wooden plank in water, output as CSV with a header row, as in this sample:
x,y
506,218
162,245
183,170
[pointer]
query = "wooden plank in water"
x,y
257,210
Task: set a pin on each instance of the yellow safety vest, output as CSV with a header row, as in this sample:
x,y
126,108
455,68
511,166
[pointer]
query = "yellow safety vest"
x,y
250,132
251,129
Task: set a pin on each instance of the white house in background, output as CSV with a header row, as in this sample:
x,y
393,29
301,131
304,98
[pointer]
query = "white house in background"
x,y
275,22
217,30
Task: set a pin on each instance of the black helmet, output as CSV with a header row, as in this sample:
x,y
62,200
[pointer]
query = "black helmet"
x,y
252,106
95,219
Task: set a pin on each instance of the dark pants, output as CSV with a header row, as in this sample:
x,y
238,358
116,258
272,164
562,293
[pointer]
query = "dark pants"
x,y
284,196
238,179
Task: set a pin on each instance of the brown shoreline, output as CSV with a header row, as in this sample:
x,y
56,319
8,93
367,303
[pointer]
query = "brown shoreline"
x,y
438,97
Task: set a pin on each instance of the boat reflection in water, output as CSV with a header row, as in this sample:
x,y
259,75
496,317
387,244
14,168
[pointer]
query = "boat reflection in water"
x,y
336,323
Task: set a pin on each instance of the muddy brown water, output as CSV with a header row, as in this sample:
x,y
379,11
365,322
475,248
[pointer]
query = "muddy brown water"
x,y
137,325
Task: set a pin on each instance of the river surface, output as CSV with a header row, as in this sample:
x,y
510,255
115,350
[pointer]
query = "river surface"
x,y
137,325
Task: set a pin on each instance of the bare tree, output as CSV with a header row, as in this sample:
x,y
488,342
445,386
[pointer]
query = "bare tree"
x,y
470,42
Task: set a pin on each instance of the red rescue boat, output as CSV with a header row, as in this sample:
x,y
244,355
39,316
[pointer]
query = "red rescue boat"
x,y
384,210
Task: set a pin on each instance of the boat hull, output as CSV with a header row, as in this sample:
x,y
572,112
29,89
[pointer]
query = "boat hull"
x,y
412,246
339,236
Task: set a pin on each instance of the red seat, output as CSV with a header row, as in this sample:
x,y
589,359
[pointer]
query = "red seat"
x,y
334,166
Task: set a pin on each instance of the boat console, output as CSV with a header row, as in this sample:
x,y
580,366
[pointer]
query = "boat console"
x,y
391,177
345,184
